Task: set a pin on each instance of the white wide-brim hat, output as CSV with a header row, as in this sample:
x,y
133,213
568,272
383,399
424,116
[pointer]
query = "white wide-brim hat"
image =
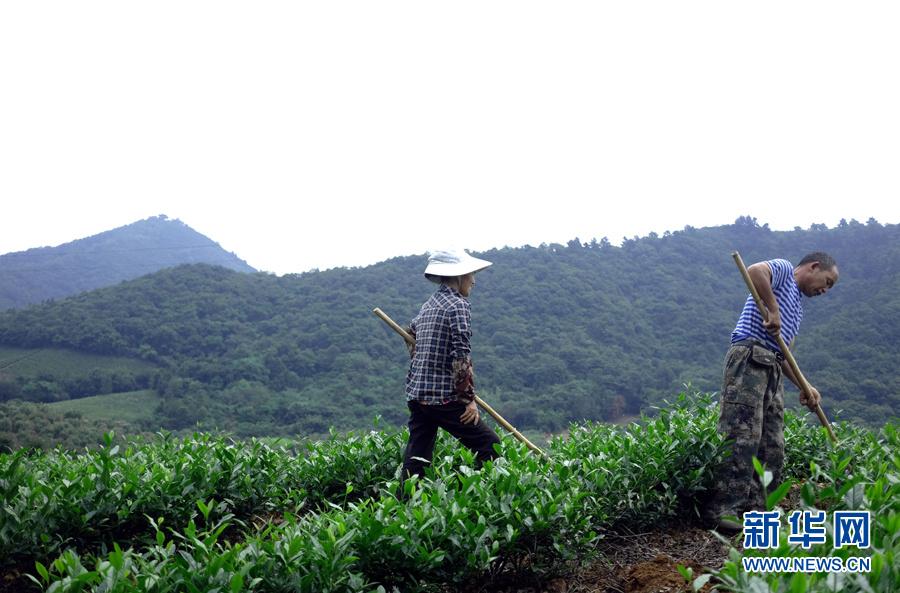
x,y
452,263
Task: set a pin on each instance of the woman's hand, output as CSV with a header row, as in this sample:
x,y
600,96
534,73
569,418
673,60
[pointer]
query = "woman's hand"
x,y
470,416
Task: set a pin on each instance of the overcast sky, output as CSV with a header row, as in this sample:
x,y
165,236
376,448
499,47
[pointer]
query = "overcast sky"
x,y
308,135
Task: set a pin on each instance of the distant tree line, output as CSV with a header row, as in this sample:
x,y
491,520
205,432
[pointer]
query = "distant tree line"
x,y
48,387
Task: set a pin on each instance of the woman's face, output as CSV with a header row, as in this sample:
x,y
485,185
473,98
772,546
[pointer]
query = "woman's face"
x,y
466,282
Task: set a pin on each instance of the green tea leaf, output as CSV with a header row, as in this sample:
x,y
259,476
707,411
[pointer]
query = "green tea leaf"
x,y
700,581
42,570
778,495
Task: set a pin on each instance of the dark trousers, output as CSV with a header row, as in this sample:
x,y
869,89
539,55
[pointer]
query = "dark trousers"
x,y
424,422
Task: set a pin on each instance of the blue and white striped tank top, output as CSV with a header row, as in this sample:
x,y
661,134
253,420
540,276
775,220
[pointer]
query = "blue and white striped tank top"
x,y
790,307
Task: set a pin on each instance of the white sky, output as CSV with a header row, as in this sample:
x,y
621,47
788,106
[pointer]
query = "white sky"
x,y
318,134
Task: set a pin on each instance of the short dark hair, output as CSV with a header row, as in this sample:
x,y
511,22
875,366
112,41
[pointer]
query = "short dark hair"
x,y
825,261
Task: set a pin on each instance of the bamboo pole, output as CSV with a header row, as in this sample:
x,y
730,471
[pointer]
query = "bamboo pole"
x,y
500,419
804,384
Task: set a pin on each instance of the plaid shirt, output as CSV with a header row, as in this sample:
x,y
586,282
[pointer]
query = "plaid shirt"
x,y
440,371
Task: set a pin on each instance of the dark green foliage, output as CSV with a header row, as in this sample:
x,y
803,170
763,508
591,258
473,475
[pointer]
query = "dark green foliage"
x,y
48,388
562,333
37,426
53,500
105,259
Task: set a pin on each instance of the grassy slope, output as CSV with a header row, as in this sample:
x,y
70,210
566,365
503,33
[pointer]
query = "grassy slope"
x,y
129,407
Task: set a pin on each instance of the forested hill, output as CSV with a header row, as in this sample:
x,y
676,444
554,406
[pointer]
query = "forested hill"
x,y
105,259
562,332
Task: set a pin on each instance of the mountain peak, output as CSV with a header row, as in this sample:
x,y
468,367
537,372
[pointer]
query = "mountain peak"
x,y
107,258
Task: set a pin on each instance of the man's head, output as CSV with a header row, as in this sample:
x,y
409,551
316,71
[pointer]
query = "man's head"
x,y
816,274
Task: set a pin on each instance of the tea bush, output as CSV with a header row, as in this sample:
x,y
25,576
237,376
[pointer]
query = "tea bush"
x,y
455,526
343,525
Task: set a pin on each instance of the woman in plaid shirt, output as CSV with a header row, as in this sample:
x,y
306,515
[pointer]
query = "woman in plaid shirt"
x,y
440,385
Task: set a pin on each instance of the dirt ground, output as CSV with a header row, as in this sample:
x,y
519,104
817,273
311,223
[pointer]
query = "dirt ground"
x,y
639,563
13,579
648,562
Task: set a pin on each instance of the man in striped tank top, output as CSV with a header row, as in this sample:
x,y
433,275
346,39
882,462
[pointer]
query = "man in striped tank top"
x,y
751,412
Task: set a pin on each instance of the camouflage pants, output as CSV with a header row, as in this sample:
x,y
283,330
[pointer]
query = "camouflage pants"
x,y
751,415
